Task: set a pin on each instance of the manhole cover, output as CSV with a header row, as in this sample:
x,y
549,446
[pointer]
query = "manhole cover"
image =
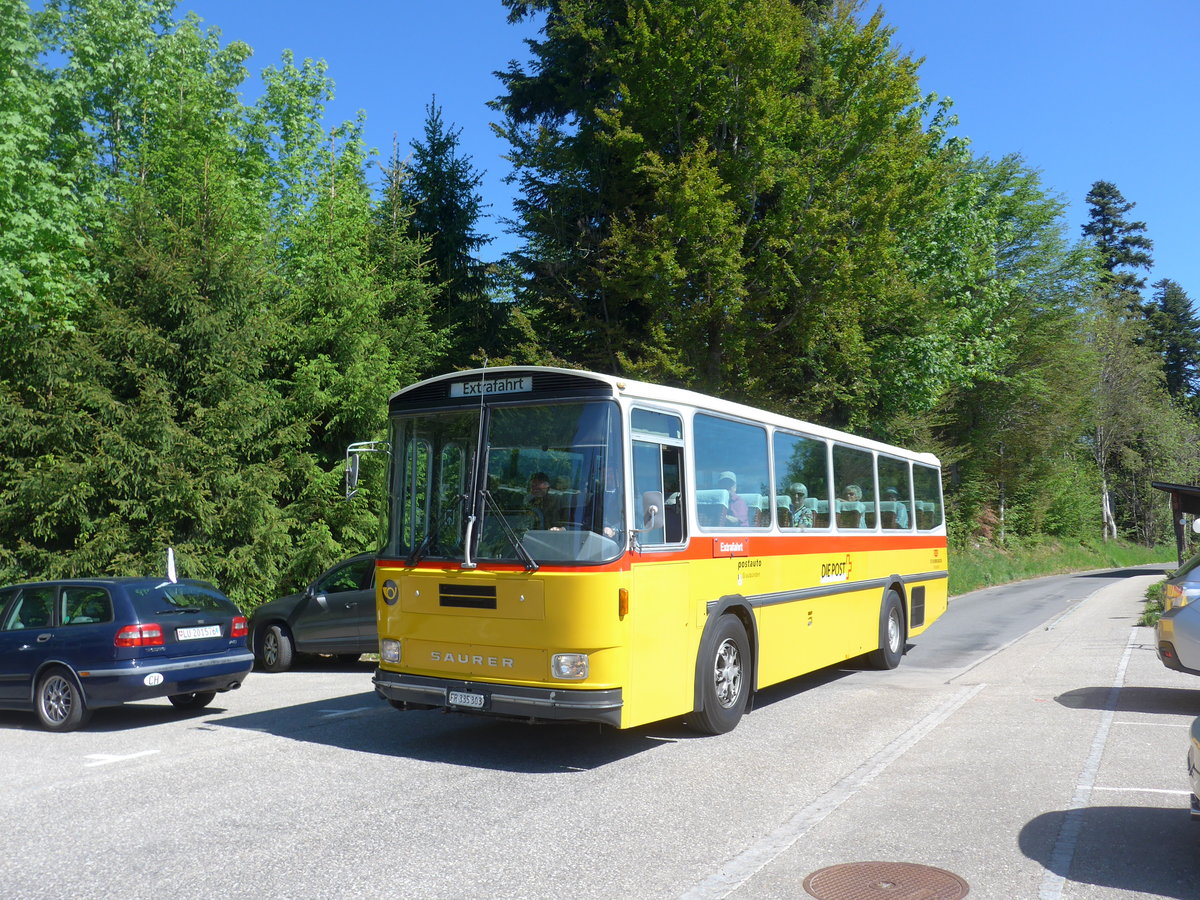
x,y
885,881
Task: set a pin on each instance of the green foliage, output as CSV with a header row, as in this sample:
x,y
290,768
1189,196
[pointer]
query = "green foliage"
x,y
978,566
202,302
1120,244
251,317
442,190
44,269
745,198
1174,333
1155,600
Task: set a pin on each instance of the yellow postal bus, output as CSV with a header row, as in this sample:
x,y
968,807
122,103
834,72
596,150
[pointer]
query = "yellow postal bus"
x,y
564,545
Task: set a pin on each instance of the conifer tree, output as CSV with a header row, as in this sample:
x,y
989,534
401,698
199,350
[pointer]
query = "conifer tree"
x,y
747,198
1174,331
442,189
1122,246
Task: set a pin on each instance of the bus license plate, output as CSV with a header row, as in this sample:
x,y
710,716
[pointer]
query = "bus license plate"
x,y
464,698
200,631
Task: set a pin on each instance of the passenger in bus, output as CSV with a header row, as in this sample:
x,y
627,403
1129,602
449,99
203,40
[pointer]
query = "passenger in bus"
x,y
853,494
893,495
739,512
802,514
543,506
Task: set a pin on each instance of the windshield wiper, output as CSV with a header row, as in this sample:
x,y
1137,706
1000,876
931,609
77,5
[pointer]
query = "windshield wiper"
x,y
526,557
179,609
419,551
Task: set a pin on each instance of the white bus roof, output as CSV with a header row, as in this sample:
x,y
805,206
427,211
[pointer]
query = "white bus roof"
x,y
632,389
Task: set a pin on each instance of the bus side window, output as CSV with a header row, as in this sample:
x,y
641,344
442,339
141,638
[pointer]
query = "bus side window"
x,y
658,467
927,486
732,459
895,503
801,482
854,471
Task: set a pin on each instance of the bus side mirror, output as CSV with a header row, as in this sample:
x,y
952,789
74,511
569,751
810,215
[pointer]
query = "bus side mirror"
x,y
652,511
352,455
351,475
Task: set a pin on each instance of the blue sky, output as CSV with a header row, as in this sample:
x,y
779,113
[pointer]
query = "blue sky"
x,y
1085,90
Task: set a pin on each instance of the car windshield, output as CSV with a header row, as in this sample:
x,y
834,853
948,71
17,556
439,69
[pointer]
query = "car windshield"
x,y
178,598
548,487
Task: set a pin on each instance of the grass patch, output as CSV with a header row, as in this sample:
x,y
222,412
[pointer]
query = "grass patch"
x,y
1155,595
975,567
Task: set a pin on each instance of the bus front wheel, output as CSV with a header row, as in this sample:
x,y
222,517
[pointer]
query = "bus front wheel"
x,y
724,678
891,633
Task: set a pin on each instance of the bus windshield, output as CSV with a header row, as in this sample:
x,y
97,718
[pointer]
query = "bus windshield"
x,y
548,486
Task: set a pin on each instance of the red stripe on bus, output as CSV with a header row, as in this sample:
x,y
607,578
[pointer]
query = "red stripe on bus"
x,y
701,547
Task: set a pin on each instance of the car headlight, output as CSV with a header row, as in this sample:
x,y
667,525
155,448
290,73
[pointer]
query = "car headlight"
x,y
389,650
570,666
1188,595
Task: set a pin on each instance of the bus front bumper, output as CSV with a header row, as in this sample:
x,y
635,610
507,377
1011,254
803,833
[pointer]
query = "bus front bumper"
x,y
517,701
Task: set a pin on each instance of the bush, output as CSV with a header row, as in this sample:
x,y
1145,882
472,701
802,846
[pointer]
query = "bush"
x,y
1154,603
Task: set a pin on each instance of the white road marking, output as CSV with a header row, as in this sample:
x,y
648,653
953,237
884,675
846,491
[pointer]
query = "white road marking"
x,y
107,759
1137,790
750,861
1068,834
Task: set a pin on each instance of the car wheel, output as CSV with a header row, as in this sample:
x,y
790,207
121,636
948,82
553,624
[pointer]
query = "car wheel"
x,y
194,700
891,634
59,702
723,668
276,651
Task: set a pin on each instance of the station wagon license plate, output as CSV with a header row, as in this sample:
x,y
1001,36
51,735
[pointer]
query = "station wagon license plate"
x,y
198,631
465,698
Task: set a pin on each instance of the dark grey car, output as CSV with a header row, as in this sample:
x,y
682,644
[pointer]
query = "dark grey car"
x,y
335,615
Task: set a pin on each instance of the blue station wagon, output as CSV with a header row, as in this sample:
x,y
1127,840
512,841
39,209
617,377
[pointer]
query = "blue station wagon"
x,y
70,646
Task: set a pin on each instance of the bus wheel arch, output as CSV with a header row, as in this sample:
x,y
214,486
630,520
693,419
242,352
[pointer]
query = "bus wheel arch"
x,y
726,668
893,628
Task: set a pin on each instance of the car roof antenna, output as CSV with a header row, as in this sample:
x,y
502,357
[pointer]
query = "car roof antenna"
x,y
171,566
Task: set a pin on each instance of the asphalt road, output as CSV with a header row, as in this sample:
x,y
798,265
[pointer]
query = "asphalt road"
x,y
1030,743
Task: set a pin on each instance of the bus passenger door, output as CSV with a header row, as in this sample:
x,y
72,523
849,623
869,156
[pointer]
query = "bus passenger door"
x,y
662,633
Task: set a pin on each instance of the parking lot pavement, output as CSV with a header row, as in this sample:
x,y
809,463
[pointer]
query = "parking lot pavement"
x,y
1058,772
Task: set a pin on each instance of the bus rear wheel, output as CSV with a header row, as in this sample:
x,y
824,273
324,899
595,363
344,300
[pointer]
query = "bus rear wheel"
x,y
891,633
724,678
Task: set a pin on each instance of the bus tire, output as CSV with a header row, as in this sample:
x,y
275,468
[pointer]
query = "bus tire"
x,y
724,672
891,633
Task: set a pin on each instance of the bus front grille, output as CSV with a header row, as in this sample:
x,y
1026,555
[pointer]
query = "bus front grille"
x,y
467,596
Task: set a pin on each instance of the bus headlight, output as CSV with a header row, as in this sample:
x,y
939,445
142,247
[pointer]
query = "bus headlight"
x,y
572,666
389,651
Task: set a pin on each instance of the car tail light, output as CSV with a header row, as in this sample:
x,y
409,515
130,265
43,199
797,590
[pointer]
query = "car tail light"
x,y
150,635
239,627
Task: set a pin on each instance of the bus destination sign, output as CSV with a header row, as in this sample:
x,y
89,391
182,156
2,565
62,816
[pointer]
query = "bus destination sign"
x,y
723,547
488,386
